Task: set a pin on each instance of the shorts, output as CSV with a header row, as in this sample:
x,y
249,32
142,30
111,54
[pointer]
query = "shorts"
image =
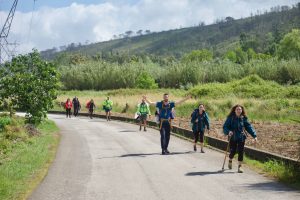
x,y
143,117
107,109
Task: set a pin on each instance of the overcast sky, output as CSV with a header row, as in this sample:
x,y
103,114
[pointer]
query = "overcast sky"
x,y
53,23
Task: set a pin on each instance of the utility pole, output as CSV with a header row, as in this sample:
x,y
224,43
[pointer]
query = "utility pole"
x,y
5,53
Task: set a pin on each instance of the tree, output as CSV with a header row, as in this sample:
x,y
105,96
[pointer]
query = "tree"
x,y
231,55
139,32
128,33
30,84
289,46
145,81
198,55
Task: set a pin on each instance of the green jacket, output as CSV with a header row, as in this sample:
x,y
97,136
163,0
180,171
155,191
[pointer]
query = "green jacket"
x,y
107,104
143,108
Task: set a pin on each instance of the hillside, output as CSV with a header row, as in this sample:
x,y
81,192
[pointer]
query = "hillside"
x,y
219,37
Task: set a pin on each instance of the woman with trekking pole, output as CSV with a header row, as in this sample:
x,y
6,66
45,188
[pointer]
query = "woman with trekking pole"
x,y
200,121
236,127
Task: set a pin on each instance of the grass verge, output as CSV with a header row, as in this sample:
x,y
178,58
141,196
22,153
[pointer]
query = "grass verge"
x,y
25,162
284,173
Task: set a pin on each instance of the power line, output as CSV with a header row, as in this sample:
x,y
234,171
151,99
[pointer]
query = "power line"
x,y
31,19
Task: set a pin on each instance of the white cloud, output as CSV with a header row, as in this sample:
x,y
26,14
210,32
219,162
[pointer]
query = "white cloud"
x,y
53,27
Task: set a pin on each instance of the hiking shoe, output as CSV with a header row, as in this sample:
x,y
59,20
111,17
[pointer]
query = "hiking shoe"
x,y
202,151
195,148
167,151
240,169
230,164
140,128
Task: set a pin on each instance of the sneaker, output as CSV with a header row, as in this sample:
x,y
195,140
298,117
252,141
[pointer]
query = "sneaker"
x,y
240,169
195,148
163,152
140,128
230,164
202,151
167,151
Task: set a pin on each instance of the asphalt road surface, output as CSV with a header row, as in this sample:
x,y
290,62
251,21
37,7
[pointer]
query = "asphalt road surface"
x,y
104,160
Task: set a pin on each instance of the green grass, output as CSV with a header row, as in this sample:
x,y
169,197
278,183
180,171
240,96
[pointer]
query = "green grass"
x,y
25,161
284,173
273,106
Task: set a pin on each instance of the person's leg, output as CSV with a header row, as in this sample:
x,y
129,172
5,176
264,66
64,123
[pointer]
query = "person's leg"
x,y
168,133
162,139
140,121
67,112
202,141
145,122
196,137
232,147
240,155
109,115
106,112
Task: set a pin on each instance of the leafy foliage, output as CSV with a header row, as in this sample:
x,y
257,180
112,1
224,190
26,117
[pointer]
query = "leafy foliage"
x,y
290,45
145,81
30,84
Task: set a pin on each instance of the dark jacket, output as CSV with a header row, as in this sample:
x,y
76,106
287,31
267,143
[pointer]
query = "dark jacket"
x,y
199,121
238,125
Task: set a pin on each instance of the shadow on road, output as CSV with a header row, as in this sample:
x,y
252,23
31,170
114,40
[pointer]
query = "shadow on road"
x,y
127,131
274,186
146,154
208,173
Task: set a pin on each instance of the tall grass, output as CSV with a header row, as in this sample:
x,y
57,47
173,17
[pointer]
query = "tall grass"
x,y
101,75
264,100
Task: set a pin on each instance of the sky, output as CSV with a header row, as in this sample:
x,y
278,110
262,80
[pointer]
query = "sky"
x,y
44,24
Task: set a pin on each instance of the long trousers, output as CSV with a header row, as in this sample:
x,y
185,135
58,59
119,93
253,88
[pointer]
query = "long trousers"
x,y
68,112
165,136
236,146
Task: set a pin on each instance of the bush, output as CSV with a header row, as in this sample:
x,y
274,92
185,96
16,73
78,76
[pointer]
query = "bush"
x,y
248,87
4,121
145,81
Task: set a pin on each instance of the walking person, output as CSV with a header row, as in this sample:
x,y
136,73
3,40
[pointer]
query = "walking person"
x,y
235,127
165,113
68,106
91,106
76,106
143,111
200,120
107,107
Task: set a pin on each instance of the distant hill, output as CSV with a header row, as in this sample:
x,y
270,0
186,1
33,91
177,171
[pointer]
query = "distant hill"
x,y
219,37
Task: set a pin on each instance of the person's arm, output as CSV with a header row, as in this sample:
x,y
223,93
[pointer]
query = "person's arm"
x,y
138,109
149,112
227,126
183,100
193,117
149,102
249,128
206,120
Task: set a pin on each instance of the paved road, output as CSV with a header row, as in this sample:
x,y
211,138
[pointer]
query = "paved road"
x,y
113,160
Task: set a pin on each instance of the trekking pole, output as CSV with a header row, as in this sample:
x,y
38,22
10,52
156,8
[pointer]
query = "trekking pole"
x,y
226,152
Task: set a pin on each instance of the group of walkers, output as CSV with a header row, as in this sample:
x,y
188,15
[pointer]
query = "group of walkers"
x,y
235,127
90,105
